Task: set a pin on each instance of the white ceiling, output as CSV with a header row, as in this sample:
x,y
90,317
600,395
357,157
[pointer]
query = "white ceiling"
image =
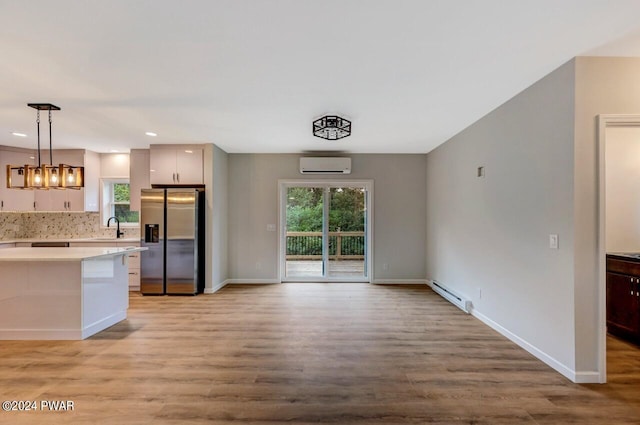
x,y
251,75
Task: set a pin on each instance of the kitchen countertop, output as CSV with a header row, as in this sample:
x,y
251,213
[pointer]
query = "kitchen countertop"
x,y
626,255
95,239
62,254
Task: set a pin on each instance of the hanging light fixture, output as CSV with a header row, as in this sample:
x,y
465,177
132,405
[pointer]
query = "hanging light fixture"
x,y
331,127
45,176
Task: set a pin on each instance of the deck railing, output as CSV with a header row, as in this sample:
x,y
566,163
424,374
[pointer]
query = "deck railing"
x,y
342,245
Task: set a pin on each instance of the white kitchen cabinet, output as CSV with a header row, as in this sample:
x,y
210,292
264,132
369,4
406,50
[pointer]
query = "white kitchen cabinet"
x,y
134,266
59,200
138,176
85,199
14,199
189,166
176,164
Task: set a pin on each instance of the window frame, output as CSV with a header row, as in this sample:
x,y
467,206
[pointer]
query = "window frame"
x,y
107,204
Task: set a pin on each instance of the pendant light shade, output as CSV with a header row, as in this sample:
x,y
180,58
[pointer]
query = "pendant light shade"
x,y
45,176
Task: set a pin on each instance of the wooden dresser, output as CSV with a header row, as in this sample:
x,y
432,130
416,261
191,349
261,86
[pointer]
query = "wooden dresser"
x,y
623,296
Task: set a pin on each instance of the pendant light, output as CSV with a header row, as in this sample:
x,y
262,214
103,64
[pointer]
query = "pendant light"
x,y
45,176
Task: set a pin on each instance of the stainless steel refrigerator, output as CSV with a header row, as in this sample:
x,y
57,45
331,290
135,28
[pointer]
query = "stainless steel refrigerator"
x,y
172,228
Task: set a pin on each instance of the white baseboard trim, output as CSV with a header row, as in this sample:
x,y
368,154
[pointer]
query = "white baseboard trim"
x,y
216,288
399,281
587,378
64,334
251,281
577,377
272,281
41,334
103,323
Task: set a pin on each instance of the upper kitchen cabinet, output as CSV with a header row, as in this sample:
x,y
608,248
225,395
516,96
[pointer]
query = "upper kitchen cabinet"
x,y
85,199
176,164
15,199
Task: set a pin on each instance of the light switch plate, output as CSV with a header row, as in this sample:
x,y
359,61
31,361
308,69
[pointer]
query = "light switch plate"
x,y
271,227
553,241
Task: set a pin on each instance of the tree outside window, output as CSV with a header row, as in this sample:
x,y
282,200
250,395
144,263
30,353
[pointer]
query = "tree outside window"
x,y
121,198
116,202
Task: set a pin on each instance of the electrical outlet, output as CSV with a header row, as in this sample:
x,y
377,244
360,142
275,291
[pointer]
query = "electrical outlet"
x,y
385,266
258,265
479,293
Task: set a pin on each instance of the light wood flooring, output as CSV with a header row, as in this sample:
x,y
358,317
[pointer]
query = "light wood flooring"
x,y
306,353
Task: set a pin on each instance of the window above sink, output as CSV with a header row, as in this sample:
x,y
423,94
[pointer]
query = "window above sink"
x,y
115,197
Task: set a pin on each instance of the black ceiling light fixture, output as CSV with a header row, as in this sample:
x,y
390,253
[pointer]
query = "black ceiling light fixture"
x,y
45,176
331,127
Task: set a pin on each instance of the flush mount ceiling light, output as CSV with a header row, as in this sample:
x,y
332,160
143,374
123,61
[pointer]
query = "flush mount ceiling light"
x,y
331,127
45,176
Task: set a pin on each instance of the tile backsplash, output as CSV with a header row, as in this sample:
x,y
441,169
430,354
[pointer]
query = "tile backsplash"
x,y
56,225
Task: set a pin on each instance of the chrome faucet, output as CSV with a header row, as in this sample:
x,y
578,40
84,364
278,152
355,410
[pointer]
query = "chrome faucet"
x,y
118,232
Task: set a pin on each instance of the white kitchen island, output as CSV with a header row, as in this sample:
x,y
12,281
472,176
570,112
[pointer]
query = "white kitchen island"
x,y
62,293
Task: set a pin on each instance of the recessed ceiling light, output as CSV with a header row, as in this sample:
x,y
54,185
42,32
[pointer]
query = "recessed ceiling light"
x,y
189,151
150,134
15,133
114,151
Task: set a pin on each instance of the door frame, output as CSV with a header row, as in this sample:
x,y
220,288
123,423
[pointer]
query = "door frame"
x,y
325,183
605,121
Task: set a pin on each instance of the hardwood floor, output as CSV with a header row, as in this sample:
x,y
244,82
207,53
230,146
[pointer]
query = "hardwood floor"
x,y
306,353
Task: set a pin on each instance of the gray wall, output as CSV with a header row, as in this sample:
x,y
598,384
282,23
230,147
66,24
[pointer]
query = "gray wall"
x,y
603,86
622,183
399,211
220,216
216,179
491,234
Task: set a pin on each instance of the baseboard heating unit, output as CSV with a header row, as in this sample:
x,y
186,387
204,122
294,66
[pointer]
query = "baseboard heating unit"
x,y
449,295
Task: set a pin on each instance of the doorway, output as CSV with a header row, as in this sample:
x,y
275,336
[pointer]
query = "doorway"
x,y
325,231
618,209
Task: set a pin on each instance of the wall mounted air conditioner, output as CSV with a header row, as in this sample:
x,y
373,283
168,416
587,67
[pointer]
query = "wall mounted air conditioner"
x,y
325,165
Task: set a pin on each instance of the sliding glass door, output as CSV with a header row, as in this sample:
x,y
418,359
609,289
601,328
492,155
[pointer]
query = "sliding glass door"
x,y
325,231
347,220
304,232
